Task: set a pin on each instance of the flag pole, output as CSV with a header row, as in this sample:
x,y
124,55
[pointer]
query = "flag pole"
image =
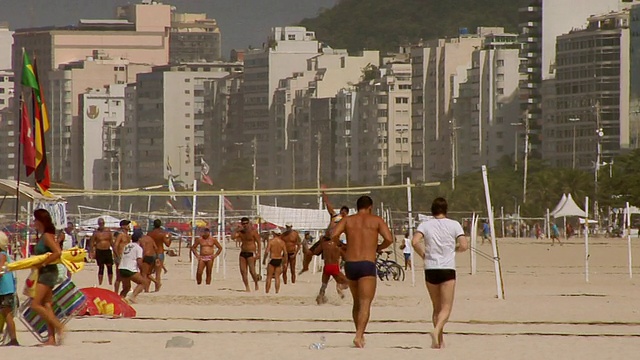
x,y
18,157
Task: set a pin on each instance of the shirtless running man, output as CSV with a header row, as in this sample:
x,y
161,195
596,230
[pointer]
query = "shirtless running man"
x,y
162,239
333,222
292,241
250,247
149,250
362,231
101,245
277,250
206,243
332,252
122,239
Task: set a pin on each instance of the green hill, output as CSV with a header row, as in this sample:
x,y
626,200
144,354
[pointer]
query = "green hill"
x,y
384,24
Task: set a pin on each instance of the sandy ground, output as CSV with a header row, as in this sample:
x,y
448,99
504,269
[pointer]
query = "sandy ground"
x,y
549,312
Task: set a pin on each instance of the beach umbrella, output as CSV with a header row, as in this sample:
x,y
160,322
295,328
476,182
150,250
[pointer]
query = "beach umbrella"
x,y
105,302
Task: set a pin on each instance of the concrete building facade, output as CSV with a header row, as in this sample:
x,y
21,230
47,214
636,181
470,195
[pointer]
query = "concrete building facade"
x,y
193,38
592,94
285,53
487,110
169,122
6,42
103,113
438,68
66,137
8,126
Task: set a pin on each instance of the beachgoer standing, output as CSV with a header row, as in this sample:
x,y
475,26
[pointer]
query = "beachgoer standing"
x,y
101,245
406,251
250,247
206,257
292,240
276,250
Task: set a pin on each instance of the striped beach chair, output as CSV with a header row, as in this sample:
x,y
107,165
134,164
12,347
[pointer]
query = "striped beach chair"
x,y
68,300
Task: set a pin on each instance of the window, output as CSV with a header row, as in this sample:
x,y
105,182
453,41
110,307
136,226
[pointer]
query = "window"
x,y
187,138
500,62
499,134
1,101
1,90
383,113
402,100
187,91
500,77
499,120
187,115
500,91
404,87
292,36
187,103
187,126
187,80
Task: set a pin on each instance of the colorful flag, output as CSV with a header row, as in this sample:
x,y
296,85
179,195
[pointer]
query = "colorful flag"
x,y
26,139
41,122
227,204
204,172
28,72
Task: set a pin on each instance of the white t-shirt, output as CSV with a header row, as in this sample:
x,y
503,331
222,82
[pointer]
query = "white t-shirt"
x,y
67,243
130,255
440,242
407,246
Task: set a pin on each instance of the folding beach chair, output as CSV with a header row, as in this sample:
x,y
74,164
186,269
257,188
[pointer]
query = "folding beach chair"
x,y
68,300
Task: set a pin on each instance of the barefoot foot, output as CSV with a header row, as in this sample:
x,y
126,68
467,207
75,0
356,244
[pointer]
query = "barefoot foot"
x,y
358,342
435,344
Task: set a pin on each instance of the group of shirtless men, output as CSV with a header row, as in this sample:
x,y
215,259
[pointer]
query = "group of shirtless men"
x,y
359,253
107,248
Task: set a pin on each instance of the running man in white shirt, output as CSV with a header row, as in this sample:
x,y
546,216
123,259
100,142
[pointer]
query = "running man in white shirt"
x,y
437,241
129,269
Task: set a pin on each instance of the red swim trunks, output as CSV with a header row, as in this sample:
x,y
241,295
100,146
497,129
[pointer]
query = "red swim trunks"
x,y
331,269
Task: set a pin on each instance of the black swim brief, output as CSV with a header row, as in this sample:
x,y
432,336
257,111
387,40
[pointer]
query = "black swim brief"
x,y
439,276
104,257
291,255
149,259
275,262
246,254
355,270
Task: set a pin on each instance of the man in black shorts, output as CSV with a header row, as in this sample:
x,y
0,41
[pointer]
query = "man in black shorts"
x,y
101,247
277,251
249,251
362,231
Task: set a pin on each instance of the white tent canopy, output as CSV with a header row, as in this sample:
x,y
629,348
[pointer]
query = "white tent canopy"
x,y
569,208
109,221
632,210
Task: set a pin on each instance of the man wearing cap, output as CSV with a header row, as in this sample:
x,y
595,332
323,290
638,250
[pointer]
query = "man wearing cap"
x,y
291,240
206,257
161,239
277,251
122,239
129,270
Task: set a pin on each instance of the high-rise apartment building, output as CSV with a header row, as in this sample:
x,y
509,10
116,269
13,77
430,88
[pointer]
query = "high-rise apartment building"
x,y
194,38
487,109
285,53
169,122
103,113
6,42
592,113
8,126
66,139
438,68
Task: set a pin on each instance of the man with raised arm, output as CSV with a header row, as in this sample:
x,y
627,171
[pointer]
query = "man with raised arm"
x,y
333,222
362,230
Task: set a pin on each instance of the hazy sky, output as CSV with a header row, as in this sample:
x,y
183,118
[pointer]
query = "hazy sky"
x,y
242,22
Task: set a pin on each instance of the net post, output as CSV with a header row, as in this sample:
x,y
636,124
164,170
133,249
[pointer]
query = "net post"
x,y
492,230
411,226
628,230
586,239
193,227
